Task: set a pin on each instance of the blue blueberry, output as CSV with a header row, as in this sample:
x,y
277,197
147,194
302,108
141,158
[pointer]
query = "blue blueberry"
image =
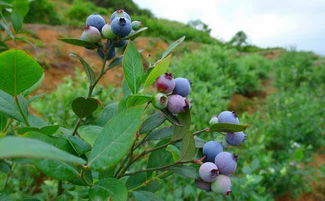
x,y
110,54
121,26
226,163
236,138
95,20
228,117
222,184
208,171
121,43
120,13
211,149
182,87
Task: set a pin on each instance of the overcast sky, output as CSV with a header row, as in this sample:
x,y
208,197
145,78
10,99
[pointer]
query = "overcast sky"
x,y
286,23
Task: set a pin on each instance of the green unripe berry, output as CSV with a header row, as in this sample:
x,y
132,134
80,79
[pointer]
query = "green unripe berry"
x,y
136,25
107,32
160,101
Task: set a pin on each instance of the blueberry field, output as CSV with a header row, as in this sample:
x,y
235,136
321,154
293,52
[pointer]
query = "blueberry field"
x,y
102,100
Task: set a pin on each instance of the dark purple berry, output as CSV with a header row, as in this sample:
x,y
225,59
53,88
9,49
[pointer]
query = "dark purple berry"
x,y
203,185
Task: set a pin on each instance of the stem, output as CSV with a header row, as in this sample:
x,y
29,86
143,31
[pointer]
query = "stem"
x,y
157,148
92,87
21,111
60,188
149,181
7,125
158,168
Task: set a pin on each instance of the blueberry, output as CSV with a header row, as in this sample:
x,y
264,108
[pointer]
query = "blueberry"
x,y
222,184
236,138
95,20
110,54
136,25
226,163
90,34
203,185
165,83
160,101
211,149
121,43
208,171
120,13
182,86
228,117
107,32
121,26
177,104
213,120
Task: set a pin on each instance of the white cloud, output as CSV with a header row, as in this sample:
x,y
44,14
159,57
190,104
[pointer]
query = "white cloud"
x,y
267,23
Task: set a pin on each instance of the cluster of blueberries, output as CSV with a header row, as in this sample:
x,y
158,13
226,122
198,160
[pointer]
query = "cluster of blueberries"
x,y
176,89
218,164
119,28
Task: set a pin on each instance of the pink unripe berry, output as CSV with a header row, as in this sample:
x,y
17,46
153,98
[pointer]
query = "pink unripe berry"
x,y
177,104
90,34
165,83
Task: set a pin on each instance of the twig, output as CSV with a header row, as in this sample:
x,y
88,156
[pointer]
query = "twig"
x,y
149,181
21,111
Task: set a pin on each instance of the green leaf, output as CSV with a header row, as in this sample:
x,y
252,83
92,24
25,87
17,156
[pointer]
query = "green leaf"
x,y
115,140
4,167
108,189
78,144
161,133
47,130
9,107
18,147
108,113
90,133
83,107
160,157
188,150
171,118
33,88
132,67
159,69
145,196
135,34
185,171
136,180
78,42
17,20
3,121
117,61
61,170
226,127
199,142
172,46
89,71
152,122
19,71
137,99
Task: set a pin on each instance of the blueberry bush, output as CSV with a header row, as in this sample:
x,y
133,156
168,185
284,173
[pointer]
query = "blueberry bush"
x,y
100,154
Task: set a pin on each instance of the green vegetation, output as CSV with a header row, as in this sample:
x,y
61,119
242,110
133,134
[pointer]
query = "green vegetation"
x,y
286,127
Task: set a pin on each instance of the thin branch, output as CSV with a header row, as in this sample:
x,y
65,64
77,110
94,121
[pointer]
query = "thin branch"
x,y
152,179
158,168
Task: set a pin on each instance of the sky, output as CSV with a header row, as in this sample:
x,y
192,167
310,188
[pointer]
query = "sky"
x,y
296,24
